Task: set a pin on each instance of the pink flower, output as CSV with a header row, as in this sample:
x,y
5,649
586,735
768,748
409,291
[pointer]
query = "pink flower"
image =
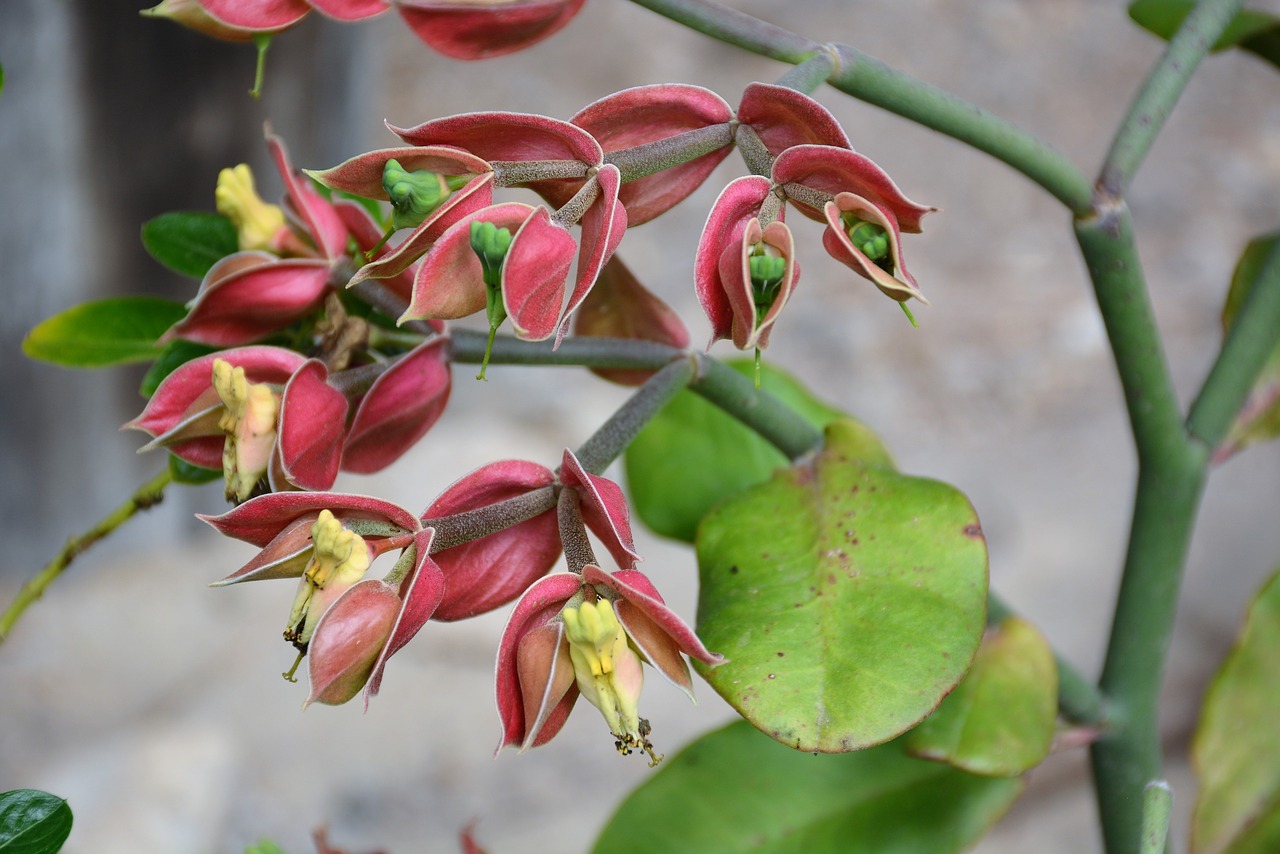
x,y
479,31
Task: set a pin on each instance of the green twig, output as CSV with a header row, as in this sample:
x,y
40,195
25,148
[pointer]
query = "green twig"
x,y
759,410
736,28
467,347
1157,806
1161,90
613,436
810,74
147,495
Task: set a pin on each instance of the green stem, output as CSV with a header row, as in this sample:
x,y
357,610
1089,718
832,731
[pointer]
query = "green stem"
x,y
1161,90
468,347
1078,699
146,496
614,435
1171,471
757,409
1157,806
736,28
1251,340
810,74
381,338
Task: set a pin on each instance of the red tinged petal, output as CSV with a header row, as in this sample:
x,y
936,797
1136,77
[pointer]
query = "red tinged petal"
x,y
534,276
318,216
259,520
548,686
538,607
507,136
250,295
450,281
647,114
398,409
603,225
284,557
899,284
183,413
604,509
735,278
362,174
348,640
313,415
620,307
190,14
261,15
478,31
420,594
351,10
834,171
491,571
783,117
738,204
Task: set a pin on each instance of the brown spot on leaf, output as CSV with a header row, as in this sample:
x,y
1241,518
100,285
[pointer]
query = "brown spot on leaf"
x,y
974,531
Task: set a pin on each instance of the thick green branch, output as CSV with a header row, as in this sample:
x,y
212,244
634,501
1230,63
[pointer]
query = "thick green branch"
x,y
1253,337
736,28
1161,90
759,410
147,495
467,347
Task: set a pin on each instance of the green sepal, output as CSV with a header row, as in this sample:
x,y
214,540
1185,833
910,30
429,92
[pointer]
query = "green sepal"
x,y
103,332
33,822
190,242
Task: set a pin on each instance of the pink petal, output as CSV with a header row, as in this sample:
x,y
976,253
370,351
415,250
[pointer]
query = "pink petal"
x,y
259,520
398,409
646,114
362,175
603,225
738,203
835,170
351,10
604,509
262,15
507,136
313,416
285,556
489,572
548,691
735,277
241,302
836,241
348,640
421,593
783,117
465,31
534,276
322,222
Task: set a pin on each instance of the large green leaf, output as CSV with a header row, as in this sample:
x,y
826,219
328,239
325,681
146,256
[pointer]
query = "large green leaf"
x,y
693,455
190,242
848,598
1000,719
735,791
33,822
103,332
1237,746
1251,30
1259,420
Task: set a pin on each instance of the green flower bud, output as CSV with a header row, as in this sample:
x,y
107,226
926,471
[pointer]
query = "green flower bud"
x,y
870,239
414,195
490,244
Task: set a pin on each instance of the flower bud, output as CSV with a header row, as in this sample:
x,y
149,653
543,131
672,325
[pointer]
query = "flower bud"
x,y
414,195
257,223
249,423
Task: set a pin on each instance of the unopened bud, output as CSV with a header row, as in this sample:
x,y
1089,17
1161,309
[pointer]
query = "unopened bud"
x,y
256,222
414,195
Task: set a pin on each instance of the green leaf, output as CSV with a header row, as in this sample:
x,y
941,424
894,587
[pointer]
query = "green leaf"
x,y
173,356
33,822
103,332
734,791
1236,749
190,242
693,455
1259,419
185,472
264,846
1000,719
848,598
1251,30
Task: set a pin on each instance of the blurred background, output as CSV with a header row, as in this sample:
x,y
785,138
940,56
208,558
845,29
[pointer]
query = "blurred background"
x,y
155,705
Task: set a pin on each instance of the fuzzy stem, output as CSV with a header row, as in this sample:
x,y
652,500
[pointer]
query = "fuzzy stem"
x,y
642,161
614,435
146,496
573,533
1161,90
459,528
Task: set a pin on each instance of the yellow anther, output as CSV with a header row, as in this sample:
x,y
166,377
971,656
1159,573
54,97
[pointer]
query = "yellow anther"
x,y
256,221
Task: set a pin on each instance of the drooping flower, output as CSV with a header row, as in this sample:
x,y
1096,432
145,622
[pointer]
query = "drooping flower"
x,y
588,635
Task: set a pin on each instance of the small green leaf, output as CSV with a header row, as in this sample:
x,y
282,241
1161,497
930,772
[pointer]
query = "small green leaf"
x,y
1251,30
185,472
1000,720
1236,749
693,455
1259,419
33,822
736,792
103,332
190,242
848,598
264,846
173,356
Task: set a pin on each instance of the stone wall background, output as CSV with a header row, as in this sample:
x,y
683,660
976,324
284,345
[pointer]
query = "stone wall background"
x,y
154,704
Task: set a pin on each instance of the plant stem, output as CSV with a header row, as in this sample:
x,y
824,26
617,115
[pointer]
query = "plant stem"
x,y
1161,90
811,73
467,347
614,435
1251,340
759,410
146,496
1078,699
736,28
650,158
